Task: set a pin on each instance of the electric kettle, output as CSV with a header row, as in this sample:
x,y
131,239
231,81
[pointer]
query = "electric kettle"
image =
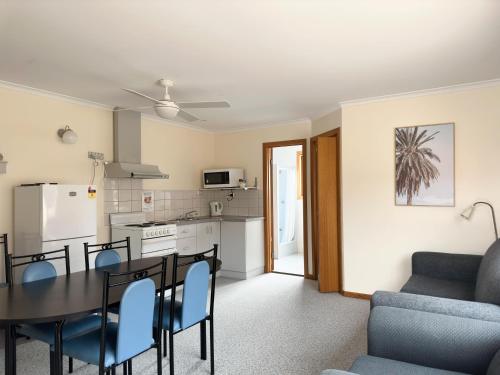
x,y
216,208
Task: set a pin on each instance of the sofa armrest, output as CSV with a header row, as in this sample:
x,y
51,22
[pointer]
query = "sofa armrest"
x,y
433,340
438,305
336,372
459,267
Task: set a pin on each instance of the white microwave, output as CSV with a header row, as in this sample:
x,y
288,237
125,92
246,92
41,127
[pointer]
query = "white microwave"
x,y
222,178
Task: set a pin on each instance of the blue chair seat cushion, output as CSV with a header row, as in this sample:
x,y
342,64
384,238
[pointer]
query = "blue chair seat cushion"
x,y
45,331
370,365
87,347
430,286
166,314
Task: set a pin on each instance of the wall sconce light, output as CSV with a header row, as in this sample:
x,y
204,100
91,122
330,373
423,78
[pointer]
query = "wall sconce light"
x,y
467,214
67,135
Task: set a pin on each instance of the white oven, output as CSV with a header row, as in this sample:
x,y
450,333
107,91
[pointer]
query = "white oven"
x,y
159,246
222,178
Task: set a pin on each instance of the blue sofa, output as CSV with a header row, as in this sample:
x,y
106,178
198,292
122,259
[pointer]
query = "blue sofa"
x,y
412,342
456,276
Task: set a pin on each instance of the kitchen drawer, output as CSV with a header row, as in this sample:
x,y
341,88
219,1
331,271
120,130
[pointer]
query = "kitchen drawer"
x,y
186,246
184,231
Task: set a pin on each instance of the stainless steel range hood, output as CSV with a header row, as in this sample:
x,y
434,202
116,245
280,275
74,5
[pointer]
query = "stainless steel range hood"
x,y
127,149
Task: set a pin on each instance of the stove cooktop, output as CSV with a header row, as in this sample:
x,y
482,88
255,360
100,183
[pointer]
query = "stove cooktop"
x,y
147,224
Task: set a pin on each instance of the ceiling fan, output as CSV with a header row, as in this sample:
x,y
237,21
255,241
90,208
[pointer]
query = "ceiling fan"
x,y
168,109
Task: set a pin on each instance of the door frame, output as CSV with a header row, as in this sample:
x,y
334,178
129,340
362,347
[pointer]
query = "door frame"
x,y
267,154
314,202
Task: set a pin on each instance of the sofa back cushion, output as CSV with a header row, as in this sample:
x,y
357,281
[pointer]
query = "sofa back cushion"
x,y
488,277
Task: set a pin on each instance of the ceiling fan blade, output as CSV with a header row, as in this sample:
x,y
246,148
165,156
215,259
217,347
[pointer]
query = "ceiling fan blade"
x,y
203,105
186,116
143,95
117,109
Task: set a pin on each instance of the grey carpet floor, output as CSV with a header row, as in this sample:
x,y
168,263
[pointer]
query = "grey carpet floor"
x,y
271,324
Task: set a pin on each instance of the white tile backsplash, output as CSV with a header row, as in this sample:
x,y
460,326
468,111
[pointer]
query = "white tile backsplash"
x,y
125,195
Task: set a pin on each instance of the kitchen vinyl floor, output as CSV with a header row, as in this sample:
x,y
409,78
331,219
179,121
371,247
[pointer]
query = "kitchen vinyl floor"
x,y
270,324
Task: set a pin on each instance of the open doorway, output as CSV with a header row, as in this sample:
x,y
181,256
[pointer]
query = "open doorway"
x,y
285,207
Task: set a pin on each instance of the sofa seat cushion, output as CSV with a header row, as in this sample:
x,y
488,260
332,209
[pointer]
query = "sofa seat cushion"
x,y
418,284
369,365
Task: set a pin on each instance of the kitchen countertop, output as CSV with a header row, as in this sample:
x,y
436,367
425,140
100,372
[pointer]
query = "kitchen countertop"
x,y
206,219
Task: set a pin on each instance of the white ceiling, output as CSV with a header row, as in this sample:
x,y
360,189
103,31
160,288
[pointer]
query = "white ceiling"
x,y
274,61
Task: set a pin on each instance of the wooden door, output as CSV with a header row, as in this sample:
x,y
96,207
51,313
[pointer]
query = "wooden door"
x,y
328,215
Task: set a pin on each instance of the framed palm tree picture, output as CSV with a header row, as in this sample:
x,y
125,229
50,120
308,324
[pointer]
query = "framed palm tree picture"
x,y
425,165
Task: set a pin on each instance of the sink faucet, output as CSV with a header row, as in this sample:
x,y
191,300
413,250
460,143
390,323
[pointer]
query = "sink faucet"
x,y
189,215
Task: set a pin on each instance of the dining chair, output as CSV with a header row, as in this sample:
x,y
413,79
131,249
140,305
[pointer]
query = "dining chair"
x,y
192,309
107,254
5,244
113,344
38,267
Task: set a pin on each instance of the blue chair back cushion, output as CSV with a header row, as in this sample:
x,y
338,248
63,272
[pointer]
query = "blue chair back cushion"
x,y
488,276
194,295
135,324
107,258
39,271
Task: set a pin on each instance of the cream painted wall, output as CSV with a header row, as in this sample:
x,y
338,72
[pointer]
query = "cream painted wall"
x,y
244,148
378,237
327,122
29,142
181,152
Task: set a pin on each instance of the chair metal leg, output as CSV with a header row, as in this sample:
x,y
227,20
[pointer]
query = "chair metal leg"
x,y
212,366
113,370
203,339
51,362
70,365
125,371
158,358
171,351
165,343
129,367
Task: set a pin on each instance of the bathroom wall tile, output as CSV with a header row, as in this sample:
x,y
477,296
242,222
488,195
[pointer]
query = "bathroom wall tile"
x,y
177,203
159,194
167,214
168,204
110,207
125,206
253,203
150,216
159,205
196,203
136,195
136,206
177,194
124,183
111,195
187,194
125,195
204,211
261,211
167,194
251,194
110,183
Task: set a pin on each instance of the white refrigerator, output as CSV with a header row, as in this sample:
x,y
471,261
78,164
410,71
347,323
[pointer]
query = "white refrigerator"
x,y
49,216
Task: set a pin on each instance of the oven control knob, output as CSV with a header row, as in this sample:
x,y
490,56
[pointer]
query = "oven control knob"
x,y
165,231
146,234
156,233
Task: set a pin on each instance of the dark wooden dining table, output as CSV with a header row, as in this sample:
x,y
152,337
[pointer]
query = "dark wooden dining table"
x,y
63,299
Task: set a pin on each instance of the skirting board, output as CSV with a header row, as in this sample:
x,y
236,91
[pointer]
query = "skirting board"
x,y
241,275
356,295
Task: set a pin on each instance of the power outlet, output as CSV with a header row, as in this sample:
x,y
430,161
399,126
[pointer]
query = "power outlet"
x,y
96,155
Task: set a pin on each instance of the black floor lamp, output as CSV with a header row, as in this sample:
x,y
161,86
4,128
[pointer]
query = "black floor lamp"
x,y
467,214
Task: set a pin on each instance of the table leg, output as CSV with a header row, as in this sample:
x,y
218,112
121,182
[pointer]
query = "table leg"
x,y
58,358
10,349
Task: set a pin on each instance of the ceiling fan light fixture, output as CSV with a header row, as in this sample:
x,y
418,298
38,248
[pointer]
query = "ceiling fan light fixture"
x,y
167,111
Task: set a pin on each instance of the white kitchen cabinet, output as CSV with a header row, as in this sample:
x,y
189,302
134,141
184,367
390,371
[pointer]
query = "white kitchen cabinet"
x,y
186,246
207,234
185,231
242,250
